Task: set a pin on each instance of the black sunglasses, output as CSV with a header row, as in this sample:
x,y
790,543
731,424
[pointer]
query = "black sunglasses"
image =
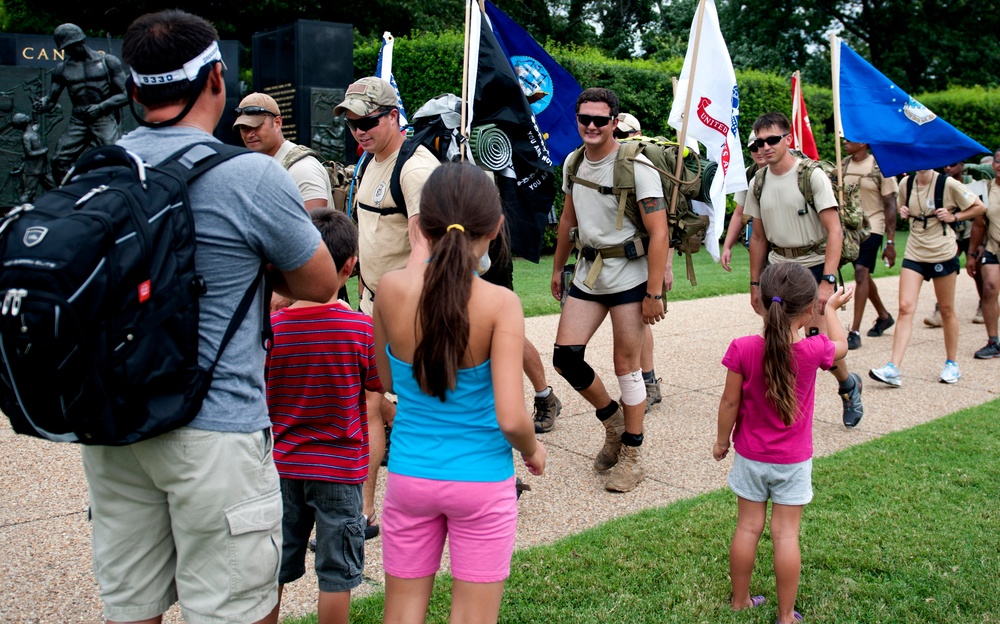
x,y
753,147
621,134
254,110
599,121
365,124
771,140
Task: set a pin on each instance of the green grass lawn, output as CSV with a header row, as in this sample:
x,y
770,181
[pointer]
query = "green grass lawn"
x,y
905,528
531,281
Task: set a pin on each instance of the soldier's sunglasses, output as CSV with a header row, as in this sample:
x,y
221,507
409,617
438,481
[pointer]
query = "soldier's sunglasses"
x,y
599,121
771,140
254,110
365,124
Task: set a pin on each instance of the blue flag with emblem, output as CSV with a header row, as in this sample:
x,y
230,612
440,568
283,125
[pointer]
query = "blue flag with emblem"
x,y
903,134
551,90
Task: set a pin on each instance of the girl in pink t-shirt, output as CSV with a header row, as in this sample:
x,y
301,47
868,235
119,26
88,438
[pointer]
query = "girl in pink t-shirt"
x,y
768,399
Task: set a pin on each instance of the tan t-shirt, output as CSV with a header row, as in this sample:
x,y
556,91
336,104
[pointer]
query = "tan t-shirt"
x,y
932,241
383,240
597,216
779,207
993,214
309,175
871,192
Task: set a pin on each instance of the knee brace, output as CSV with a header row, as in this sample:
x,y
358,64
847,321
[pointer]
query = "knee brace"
x,y
633,388
568,362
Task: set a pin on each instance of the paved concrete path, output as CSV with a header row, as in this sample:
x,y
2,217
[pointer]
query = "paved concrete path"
x,y
45,539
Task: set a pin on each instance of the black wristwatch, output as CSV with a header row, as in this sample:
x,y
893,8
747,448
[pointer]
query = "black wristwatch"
x,y
829,278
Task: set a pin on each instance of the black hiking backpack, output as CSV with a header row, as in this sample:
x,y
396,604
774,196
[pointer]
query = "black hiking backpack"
x,y
99,321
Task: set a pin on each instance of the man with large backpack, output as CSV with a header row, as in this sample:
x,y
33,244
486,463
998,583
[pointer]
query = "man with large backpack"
x,y
195,513
619,271
259,123
878,197
786,228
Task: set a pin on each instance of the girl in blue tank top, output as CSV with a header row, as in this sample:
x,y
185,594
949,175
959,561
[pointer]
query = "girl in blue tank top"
x,y
450,346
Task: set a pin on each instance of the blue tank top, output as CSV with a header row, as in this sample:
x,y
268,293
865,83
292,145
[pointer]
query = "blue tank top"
x,y
458,439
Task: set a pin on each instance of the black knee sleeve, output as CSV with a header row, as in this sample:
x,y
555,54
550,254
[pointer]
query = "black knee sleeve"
x,y
568,362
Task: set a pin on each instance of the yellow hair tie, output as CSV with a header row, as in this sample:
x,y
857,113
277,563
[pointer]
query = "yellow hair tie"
x,y
455,226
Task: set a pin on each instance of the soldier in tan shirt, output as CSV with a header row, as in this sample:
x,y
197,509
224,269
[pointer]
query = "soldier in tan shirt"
x,y
983,251
931,255
878,199
785,229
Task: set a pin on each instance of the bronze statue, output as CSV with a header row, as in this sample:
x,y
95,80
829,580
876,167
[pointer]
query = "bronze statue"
x,y
34,169
96,86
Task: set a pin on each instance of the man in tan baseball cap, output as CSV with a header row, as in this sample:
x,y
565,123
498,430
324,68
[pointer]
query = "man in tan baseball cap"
x,y
259,124
628,126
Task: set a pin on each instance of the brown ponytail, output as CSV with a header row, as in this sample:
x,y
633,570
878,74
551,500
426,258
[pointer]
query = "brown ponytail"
x,y
786,291
458,204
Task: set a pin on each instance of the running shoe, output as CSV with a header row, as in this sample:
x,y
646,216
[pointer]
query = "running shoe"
x,y
853,409
853,340
887,374
990,351
950,373
881,324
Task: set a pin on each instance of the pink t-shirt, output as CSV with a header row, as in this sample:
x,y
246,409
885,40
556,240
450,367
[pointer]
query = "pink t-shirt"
x,y
760,435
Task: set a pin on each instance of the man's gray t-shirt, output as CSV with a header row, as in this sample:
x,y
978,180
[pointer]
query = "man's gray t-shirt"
x,y
246,210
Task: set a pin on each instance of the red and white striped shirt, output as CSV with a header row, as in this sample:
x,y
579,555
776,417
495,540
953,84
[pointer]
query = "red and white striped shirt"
x,y
322,361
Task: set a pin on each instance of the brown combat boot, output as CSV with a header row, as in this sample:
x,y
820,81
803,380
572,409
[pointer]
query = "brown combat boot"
x,y
628,472
614,427
546,411
653,394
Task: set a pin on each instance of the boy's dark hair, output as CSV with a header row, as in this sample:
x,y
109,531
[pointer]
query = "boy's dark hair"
x,y
339,233
599,94
157,43
774,119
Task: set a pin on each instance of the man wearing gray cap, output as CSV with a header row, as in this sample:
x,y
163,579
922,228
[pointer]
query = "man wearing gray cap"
x,y
389,238
259,124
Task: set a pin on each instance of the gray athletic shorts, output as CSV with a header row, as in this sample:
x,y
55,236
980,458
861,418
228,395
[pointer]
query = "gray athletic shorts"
x,y
784,484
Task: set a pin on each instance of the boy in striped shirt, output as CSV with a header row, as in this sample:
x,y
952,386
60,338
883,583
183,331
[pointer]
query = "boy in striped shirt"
x,y
319,369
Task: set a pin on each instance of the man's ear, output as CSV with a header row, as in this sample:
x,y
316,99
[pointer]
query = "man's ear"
x,y
216,81
348,267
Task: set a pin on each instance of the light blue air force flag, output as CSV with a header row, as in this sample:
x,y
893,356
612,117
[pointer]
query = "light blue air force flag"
x,y
550,89
903,134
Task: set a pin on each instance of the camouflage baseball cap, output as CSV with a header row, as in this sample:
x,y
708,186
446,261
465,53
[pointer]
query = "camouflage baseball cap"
x,y
366,96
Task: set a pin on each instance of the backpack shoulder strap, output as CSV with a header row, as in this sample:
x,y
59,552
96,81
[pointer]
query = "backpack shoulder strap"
x,y
395,186
624,182
910,177
939,190
877,176
758,186
573,165
806,167
194,160
297,153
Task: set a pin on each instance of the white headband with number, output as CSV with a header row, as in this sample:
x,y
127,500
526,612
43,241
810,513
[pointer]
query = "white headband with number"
x,y
188,72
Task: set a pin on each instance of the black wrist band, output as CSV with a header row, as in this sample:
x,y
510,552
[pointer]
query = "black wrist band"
x,y
657,297
753,283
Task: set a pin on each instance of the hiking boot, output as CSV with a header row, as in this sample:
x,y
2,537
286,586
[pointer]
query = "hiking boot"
x,y
881,324
628,472
887,374
653,394
990,351
950,373
614,427
934,320
853,409
978,318
546,411
853,340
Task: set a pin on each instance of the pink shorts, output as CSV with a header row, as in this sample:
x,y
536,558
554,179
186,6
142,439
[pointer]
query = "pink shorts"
x,y
479,519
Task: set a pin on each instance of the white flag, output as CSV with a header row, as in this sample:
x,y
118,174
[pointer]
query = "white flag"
x,y
712,114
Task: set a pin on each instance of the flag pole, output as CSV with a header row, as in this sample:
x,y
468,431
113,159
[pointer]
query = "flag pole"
x,y
796,112
837,127
465,75
682,136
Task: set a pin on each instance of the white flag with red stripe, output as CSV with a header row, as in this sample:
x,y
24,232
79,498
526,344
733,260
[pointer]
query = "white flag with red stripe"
x,y
712,113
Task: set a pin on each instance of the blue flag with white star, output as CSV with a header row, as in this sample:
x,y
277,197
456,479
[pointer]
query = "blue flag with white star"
x,y
903,134
550,89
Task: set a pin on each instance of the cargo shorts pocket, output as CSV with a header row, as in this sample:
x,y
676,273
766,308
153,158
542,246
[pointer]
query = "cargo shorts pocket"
x,y
354,546
254,542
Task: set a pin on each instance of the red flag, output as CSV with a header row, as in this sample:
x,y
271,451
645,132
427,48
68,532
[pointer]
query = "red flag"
x,y
802,134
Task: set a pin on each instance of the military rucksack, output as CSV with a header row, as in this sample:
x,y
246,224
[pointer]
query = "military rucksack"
x,y
687,228
340,180
960,227
853,220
